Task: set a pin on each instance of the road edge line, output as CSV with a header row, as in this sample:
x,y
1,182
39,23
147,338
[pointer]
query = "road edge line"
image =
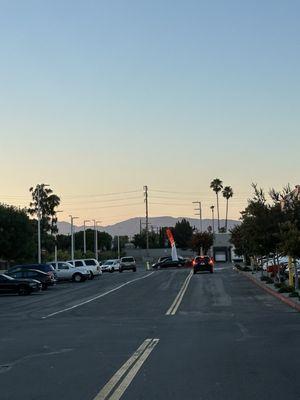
x,y
279,296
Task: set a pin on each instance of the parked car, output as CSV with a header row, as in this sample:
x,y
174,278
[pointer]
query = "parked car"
x,y
48,269
92,265
19,286
203,263
111,266
25,273
66,271
169,263
127,263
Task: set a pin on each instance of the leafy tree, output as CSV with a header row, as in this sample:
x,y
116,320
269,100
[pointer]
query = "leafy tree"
x,y
202,240
227,194
217,185
183,233
45,203
16,235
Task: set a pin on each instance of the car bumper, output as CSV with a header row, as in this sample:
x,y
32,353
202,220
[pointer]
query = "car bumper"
x,y
202,268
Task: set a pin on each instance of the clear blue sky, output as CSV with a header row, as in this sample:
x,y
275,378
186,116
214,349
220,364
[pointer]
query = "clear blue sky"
x,y
106,96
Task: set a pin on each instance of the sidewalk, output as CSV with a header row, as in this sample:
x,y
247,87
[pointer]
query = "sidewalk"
x,y
270,288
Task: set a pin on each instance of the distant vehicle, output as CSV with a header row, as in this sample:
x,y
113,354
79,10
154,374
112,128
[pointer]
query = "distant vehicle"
x,y
66,271
19,286
91,264
203,263
48,269
25,273
169,263
111,266
127,263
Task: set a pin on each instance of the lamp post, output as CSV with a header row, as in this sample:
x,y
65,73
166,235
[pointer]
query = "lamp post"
x,y
213,217
39,221
84,235
96,237
72,237
55,237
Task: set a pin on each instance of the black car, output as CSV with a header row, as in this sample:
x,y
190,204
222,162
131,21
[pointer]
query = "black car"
x,y
24,273
48,269
19,286
168,263
203,263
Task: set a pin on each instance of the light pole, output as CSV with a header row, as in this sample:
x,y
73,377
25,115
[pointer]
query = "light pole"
x,y
55,237
213,217
72,237
84,235
199,213
96,238
39,221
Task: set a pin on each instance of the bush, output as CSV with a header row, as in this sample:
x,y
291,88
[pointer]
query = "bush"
x,y
286,289
294,294
269,280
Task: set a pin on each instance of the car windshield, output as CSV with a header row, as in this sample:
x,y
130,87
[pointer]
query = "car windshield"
x,y
108,263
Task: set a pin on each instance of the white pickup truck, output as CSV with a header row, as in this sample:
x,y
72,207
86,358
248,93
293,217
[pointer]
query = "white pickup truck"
x,y
66,271
91,264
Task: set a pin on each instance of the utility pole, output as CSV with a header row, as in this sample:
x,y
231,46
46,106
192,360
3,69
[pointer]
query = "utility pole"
x,y
213,217
84,235
140,226
39,217
72,237
55,238
147,218
96,238
199,213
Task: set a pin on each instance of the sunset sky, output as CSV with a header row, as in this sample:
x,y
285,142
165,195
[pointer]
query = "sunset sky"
x,y
99,98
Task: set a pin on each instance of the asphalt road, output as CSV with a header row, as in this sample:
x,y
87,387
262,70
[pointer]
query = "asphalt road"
x,y
150,336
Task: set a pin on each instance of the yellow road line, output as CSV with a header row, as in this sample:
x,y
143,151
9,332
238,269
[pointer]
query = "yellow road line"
x,y
176,303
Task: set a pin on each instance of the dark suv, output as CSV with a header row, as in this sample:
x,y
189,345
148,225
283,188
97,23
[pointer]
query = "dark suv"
x,y
48,269
203,263
25,273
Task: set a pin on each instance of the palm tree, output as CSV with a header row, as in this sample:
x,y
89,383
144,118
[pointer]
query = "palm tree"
x,y
217,185
213,217
227,194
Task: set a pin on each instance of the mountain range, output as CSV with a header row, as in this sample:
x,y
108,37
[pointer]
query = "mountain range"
x,y
131,226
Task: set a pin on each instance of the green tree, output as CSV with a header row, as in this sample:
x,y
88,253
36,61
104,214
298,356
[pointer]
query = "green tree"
x,y
202,240
16,235
227,194
217,185
183,233
45,202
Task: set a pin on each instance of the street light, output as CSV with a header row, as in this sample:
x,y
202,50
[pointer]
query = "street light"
x,y
72,237
55,236
84,235
39,222
96,238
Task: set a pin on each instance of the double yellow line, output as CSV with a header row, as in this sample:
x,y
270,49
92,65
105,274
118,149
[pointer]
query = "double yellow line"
x,y
117,385
176,303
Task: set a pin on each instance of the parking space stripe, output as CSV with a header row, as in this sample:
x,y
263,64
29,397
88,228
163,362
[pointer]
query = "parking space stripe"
x,y
113,391
96,297
176,303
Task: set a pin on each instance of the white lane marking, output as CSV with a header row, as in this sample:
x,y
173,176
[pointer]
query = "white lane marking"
x,y
105,391
111,391
96,297
134,370
176,303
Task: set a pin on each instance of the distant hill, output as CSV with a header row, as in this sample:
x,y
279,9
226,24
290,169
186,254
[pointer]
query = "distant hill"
x,y
132,226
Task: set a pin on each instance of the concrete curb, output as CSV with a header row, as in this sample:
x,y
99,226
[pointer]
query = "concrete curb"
x,y
278,296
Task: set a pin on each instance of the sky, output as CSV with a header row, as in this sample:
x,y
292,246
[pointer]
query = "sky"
x,y
99,98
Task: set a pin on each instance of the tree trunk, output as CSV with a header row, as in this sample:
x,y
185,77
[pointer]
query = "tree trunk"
x,y
226,215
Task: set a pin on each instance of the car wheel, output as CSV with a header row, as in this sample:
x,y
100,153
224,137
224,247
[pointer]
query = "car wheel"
x,y
112,270
195,272
23,290
134,269
211,271
77,278
92,275
44,286
120,270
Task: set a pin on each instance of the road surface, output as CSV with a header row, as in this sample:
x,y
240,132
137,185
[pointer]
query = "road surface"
x,y
151,336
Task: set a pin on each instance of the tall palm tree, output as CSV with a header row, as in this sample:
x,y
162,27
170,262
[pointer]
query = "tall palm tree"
x,y
227,194
217,185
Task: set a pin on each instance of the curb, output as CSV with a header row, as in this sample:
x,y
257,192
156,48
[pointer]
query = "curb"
x,y
278,296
